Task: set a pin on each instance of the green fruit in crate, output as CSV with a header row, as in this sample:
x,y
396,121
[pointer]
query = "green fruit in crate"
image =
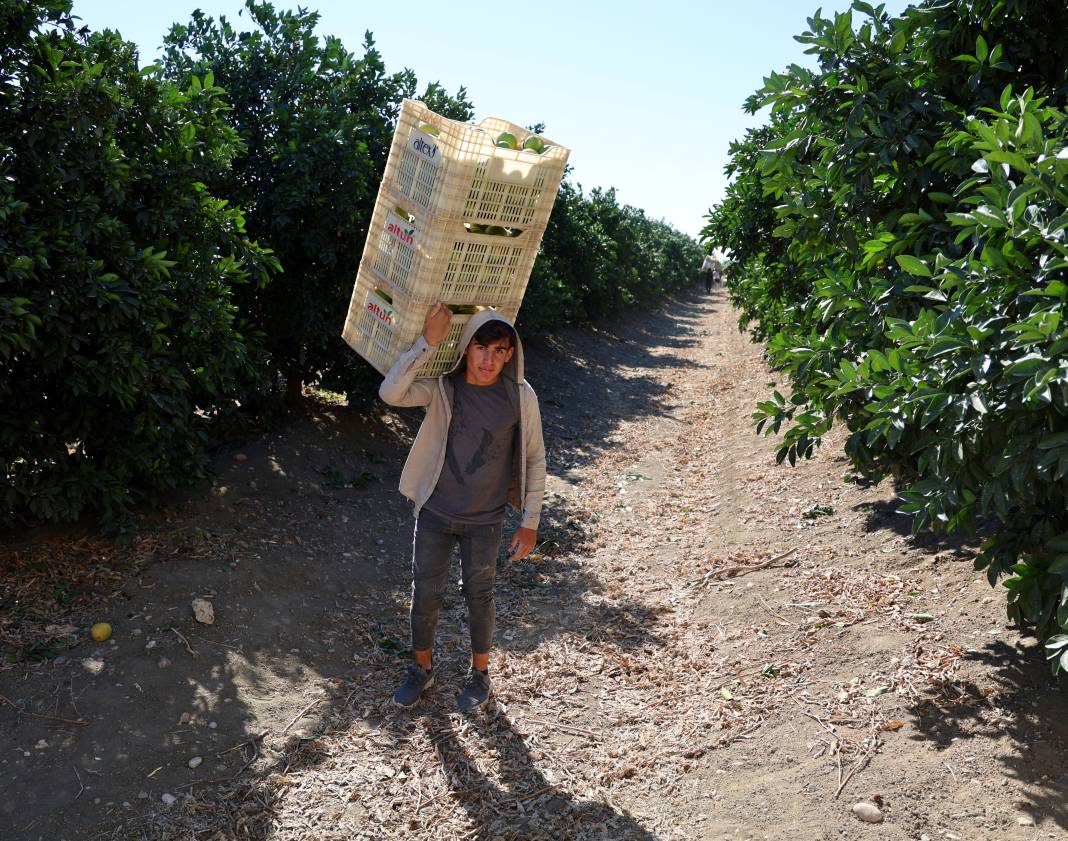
x,y
534,144
507,140
426,128
496,230
476,228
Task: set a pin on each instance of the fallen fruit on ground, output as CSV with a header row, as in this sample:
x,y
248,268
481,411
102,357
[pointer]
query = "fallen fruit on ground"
x,y
100,632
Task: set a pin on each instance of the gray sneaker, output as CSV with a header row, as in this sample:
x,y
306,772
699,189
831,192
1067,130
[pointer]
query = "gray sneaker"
x,y
476,691
416,679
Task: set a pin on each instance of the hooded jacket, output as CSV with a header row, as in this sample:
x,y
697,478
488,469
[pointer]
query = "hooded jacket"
x,y
427,456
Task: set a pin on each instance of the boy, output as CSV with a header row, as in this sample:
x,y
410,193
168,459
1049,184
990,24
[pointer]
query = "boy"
x,y
479,448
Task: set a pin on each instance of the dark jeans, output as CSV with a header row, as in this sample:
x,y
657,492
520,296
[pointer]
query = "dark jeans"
x,y
435,538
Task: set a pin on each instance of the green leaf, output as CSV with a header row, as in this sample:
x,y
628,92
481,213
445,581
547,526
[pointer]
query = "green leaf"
x,y
1006,96
913,265
1050,442
1059,566
989,216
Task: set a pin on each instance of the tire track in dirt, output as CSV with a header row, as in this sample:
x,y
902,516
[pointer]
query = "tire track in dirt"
x,y
868,666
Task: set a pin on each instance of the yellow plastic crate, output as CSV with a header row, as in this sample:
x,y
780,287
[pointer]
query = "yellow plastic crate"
x,y
380,327
448,260
461,173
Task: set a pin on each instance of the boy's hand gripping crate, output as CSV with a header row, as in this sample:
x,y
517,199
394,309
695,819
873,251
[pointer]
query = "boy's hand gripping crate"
x,y
380,328
459,220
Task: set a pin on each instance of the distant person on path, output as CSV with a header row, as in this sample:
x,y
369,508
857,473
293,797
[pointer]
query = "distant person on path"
x,y
711,271
479,448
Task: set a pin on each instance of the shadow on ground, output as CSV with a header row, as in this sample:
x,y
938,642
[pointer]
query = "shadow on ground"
x,y
307,563
883,515
1026,704
524,804
591,381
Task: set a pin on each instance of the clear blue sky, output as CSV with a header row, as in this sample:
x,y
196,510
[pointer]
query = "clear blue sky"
x,y
647,95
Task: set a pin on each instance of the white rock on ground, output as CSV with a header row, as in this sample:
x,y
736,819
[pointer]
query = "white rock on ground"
x,y
868,812
203,612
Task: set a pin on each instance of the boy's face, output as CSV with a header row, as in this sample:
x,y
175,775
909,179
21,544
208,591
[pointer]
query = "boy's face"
x,y
485,362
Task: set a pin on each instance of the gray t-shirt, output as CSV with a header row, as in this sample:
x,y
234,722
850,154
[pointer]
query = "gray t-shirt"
x,y
473,486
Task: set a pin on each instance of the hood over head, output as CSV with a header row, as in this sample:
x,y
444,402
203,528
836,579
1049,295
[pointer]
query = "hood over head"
x,y
514,368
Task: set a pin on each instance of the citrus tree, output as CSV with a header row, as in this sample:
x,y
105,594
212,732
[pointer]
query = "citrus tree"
x,y
120,344
598,257
316,123
901,244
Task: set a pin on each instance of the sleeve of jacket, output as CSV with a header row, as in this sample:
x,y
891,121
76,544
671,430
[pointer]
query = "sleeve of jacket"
x,y
400,387
535,458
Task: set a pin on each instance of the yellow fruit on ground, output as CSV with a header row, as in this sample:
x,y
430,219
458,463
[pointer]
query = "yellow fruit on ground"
x,y
101,631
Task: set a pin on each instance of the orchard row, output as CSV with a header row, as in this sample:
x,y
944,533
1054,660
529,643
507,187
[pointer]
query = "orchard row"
x,y
178,244
898,228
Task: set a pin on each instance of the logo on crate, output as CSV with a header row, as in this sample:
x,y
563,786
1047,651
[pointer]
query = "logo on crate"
x,y
380,308
401,229
424,146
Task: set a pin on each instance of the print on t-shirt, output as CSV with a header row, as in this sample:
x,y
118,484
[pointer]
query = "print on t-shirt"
x,y
478,455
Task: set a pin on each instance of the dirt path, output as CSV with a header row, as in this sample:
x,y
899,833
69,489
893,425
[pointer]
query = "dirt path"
x,y
706,646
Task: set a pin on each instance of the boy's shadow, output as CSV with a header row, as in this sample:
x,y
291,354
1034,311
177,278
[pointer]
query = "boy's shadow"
x,y
526,806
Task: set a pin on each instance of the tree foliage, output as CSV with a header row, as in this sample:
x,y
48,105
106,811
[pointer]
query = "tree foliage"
x,y
912,275
316,123
145,218
599,256
119,341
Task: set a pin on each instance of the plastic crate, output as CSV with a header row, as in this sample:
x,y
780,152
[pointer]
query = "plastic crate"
x,y
381,327
448,260
461,173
